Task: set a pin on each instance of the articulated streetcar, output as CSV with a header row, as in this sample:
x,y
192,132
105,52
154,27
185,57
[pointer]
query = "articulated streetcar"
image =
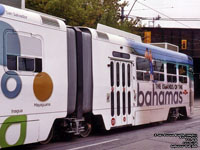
x,y
56,78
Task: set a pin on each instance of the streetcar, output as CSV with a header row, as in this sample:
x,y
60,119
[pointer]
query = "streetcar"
x,y
58,79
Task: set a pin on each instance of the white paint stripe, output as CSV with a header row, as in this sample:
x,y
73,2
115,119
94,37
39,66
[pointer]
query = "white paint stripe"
x,y
192,122
104,142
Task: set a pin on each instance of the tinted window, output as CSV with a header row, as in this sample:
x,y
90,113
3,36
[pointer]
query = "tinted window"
x,y
26,64
171,79
142,64
38,65
123,74
121,55
118,103
129,75
146,76
158,66
12,62
171,68
161,77
117,74
183,79
112,103
124,103
112,73
139,75
129,103
182,70
158,76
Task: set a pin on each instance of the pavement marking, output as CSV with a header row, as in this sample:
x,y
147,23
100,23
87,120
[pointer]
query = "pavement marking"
x,y
192,122
104,142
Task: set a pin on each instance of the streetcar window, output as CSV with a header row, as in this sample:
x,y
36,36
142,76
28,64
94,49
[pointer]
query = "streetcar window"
x,y
158,77
183,79
118,74
161,77
129,102
38,65
26,64
112,73
171,68
129,75
112,103
139,75
124,103
118,103
182,70
171,78
26,44
123,74
142,64
121,55
182,73
158,66
12,62
146,76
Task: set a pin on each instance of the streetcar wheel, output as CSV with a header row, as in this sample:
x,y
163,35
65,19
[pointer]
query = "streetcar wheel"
x,y
88,129
50,137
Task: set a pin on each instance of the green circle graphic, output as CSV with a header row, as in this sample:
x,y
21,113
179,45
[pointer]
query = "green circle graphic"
x,y
9,122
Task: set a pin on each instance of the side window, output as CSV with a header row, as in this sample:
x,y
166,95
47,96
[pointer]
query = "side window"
x,y
171,68
142,66
158,70
123,74
26,64
112,73
182,73
129,75
171,73
118,74
23,52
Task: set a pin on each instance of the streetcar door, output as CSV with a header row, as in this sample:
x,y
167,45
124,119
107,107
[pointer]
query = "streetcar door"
x,y
121,92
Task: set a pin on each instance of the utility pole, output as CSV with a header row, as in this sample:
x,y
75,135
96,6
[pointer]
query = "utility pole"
x,y
122,14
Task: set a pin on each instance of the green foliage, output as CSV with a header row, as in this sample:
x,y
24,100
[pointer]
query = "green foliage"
x,y
85,12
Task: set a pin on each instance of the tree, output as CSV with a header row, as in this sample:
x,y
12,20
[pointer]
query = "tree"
x,y
85,12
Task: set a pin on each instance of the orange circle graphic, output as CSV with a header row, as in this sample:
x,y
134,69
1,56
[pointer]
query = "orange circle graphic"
x,y
42,86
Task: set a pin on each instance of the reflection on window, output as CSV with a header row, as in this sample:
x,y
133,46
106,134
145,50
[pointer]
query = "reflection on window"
x,y
26,64
171,79
158,66
182,70
183,79
142,64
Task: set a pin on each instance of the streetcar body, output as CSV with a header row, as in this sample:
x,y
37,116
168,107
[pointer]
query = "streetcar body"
x,y
60,78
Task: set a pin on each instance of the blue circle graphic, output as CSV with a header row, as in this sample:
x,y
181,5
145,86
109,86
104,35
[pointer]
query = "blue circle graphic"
x,y
4,80
2,10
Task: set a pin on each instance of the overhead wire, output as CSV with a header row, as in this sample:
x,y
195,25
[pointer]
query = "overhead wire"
x,y
159,13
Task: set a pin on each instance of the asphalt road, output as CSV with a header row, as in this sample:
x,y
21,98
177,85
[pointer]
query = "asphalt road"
x,y
155,136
